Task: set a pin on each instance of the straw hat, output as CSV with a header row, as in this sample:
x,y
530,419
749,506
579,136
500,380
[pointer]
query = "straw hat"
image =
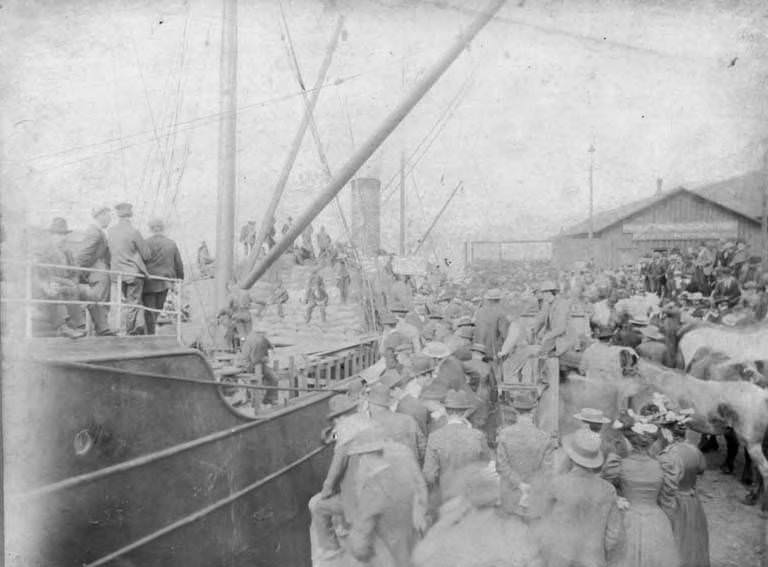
x,y
436,349
652,332
523,402
493,294
583,448
591,415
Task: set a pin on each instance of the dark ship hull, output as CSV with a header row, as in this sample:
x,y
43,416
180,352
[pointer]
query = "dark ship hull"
x,y
121,466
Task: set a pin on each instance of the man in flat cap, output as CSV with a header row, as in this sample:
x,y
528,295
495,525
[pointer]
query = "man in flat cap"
x,y
164,261
129,254
94,253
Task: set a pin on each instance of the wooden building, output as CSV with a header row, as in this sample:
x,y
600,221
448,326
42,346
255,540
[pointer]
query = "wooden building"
x,y
681,218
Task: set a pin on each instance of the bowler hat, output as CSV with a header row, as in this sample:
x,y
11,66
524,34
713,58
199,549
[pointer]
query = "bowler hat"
x,y
436,349
398,308
59,226
124,210
493,294
479,347
379,395
583,448
466,333
591,415
388,319
339,405
464,321
457,400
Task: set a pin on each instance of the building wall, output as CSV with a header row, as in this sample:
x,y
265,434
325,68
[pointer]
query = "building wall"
x,y
614,246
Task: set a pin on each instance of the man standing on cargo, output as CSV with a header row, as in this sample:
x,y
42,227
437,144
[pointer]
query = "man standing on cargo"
x,y
129,253
254,358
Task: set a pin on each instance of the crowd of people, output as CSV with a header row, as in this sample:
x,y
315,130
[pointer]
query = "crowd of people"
x,y
111,254
428,471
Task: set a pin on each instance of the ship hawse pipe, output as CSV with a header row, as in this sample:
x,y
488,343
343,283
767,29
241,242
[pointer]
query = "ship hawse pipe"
x,y
367,149
266,223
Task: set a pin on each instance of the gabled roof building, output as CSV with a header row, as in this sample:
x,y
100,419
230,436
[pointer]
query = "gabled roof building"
x,y
680,218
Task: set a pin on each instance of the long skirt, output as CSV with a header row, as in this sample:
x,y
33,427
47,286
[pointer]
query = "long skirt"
x,y
689,524
649,542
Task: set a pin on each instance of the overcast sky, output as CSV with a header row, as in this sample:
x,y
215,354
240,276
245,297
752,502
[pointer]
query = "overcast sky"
x,y
118,100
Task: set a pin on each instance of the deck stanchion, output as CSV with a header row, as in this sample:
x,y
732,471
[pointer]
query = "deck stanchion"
x,y
337,369
179,303
119,310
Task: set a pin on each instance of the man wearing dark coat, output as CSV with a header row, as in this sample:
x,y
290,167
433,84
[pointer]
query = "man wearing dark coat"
x,y
164,261
582,513
58,283
129,253
94,254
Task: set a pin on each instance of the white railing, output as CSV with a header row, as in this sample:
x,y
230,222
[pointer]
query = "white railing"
x,y
115,290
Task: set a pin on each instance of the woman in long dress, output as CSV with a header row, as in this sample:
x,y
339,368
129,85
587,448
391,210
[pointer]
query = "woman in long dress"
x,y
689,523
649,484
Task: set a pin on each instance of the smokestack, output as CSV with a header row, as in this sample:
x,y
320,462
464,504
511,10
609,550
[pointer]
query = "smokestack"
x,y
659,182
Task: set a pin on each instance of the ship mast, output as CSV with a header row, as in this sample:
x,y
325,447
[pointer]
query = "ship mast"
x,y
227,176
367,149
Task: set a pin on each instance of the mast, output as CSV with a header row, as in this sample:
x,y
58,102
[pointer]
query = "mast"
x,y
266,223
225,215
437,217
402,185
367,149
591,151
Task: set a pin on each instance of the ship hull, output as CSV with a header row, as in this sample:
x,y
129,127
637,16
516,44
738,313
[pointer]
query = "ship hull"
x,y
160,471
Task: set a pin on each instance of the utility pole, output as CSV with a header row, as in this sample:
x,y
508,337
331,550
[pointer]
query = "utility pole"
x,y
591,151
764,223
402,182
227,179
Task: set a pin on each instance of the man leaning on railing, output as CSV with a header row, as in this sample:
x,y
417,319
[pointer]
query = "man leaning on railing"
x,y
58,283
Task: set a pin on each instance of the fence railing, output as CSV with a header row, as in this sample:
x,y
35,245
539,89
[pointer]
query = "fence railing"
x,y
115,290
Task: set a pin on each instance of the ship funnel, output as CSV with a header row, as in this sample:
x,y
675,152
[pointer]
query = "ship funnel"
x,y
366,215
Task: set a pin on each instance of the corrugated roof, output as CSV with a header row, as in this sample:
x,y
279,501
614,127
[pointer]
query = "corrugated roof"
x,y
741,194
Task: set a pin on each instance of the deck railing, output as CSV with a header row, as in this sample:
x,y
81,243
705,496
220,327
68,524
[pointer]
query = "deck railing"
x,y
115,291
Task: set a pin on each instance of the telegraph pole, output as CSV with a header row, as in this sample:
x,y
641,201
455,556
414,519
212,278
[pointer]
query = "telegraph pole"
x,y
402,181
764,223
591,151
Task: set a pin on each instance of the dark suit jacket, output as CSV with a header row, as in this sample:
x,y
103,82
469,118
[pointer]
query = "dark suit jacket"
x,y
164,260
128,249
93,249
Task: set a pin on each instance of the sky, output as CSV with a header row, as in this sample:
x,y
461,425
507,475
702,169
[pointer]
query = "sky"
x,y
119,101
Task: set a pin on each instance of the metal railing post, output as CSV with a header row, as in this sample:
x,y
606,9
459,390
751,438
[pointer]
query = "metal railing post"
x,y
119,310
179,304
28,302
